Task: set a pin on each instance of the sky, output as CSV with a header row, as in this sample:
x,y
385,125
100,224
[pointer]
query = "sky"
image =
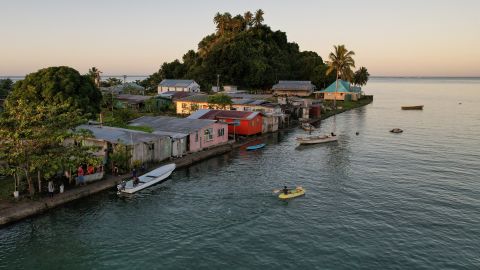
x,y
390,38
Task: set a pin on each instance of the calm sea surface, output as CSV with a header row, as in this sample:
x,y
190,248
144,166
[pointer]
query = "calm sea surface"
x,y
374,201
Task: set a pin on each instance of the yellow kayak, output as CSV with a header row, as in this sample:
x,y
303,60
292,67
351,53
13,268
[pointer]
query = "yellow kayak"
x,y
299,191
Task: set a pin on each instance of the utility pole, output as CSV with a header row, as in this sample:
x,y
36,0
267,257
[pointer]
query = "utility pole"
x,y
124,79
218,82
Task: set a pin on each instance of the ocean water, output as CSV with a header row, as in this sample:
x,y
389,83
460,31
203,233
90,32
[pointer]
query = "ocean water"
x,y
374,201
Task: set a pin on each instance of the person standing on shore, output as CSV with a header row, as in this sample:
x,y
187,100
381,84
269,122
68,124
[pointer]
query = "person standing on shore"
x,y
51,188
80,174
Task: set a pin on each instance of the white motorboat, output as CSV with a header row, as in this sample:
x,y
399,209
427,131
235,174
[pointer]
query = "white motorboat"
x,y
146,180
316,139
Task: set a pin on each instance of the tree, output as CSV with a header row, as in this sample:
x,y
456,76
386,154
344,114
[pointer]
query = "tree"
x,y
221,100
57,86
111,82
34,137
361,76
94,73
6,86
258,17
341,61
248,17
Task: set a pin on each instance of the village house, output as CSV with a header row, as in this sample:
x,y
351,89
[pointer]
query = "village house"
x,y
178,85
166,99
239,123
144,147
198,134
135,102
293,88
125,88
345,92
190,104
273,117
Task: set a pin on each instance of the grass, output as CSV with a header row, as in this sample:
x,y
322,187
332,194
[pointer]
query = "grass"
x,y
345,106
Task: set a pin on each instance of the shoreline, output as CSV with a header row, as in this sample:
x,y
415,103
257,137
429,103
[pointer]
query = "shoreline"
x,y
15,211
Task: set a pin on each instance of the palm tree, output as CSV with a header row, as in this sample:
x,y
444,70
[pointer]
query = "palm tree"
x,y
361,76
258,17
95,74
220,22
342,62
248,16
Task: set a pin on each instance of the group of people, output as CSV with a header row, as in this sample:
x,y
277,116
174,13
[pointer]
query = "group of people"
x,y
85,170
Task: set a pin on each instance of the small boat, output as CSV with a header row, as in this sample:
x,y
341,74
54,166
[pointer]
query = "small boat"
x,y
396,130
147,179
418,107
316,139
92,177
255,147
298,191
307,127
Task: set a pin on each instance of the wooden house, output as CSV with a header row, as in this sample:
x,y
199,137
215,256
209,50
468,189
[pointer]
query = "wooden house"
x,y
293,88
199,134
178,85
239,123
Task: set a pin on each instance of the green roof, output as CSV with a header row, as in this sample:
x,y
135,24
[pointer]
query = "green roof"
x,y
343,86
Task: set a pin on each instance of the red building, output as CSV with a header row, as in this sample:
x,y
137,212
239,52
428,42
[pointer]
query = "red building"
x,y
247,123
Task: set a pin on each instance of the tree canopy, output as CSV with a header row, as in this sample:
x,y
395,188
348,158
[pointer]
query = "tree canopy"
x,y
6,86
244,52
360,77
57,86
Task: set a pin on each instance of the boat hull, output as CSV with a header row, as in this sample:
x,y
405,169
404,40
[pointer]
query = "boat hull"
x,y
255,147
148,179
293,194
317,139
420,107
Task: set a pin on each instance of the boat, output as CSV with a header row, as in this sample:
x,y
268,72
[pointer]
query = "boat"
x,y
255,147
418,107
147,179
316,139
307,127
89,178
298,191
396,130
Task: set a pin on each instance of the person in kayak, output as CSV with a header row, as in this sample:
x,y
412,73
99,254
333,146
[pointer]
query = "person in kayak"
x,y
285,190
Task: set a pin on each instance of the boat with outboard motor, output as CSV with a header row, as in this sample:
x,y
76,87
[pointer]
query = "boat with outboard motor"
x,y
146,180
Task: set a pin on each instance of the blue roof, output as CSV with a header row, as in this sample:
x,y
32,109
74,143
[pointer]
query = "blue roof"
x,y
343,86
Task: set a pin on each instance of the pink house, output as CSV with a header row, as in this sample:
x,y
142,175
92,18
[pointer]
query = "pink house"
x,y
188,135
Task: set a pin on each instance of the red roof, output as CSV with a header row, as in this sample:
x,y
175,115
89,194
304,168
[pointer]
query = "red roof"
x,y
213,114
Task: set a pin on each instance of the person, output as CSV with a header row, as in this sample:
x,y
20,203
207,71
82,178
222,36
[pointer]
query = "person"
x,y
333,134
285,190
90,169
134,176
80,174
51,188
115,169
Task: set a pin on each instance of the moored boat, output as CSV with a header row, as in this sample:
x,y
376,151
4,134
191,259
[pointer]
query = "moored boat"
x,y
146,180
417,107
298,191
316,139
255,147
396,130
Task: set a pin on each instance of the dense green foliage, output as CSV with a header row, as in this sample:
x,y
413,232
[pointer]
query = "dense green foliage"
x,y
57,86
6,86
33,138
341,61
221,100
247,53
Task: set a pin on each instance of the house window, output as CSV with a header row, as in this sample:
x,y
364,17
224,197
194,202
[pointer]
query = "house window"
x,y
184,105
196,137
221,132
208,134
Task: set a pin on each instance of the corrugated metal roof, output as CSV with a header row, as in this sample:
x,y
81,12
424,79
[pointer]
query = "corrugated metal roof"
x,y
120,135
195,98
172,124
134,99
220,114
176,83
294,85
